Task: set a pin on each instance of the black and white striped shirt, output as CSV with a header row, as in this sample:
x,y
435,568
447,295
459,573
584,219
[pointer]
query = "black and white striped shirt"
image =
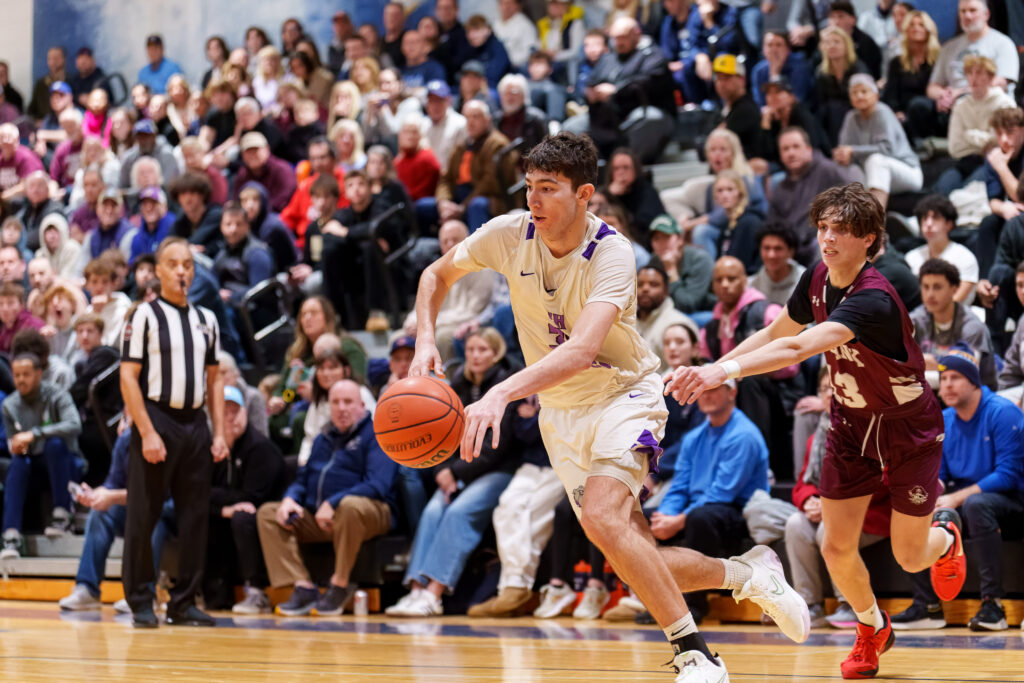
x,y
175,346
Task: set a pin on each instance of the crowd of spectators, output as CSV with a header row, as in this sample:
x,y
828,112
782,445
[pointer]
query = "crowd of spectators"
x,y
341,170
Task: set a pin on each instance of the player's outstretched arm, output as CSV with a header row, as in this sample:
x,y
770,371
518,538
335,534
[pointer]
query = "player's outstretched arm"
x,y
574,356
435,282
782,326
687,384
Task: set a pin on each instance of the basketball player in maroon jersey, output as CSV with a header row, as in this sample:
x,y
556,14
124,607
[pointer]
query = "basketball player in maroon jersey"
x,y
886,429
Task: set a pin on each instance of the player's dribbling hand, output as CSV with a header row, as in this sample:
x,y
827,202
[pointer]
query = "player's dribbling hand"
x,y
426,358
480,416
687,383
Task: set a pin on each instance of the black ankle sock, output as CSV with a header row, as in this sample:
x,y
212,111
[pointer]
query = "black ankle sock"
x,y
693,641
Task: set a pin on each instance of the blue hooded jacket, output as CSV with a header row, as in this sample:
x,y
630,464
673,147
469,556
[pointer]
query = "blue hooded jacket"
x,y
350,464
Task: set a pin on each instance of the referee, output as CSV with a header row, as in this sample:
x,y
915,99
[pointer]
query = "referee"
x,y
168,370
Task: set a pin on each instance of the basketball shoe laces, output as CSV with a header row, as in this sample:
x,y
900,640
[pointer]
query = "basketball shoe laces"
x,y
864,648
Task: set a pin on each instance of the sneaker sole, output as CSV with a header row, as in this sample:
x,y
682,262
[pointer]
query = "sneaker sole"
x,y
987,626
871,673
563,604
293,612
919,625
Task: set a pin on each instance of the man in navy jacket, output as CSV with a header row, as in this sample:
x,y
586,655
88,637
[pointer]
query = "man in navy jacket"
x,y
344,494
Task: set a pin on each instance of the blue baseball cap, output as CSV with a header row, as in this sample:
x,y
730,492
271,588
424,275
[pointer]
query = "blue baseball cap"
x,y
407,342
61,87
145,127
234,395
154,193
438,89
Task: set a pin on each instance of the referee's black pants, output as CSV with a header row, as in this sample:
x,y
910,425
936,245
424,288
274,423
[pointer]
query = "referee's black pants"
x,y
185,474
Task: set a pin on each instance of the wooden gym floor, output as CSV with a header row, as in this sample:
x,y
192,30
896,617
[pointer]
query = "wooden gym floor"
x,y
39,643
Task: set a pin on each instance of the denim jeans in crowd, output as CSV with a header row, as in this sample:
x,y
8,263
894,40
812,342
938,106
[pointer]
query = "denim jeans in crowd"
x,y
478,212
448,532
101,528
61,466
705,236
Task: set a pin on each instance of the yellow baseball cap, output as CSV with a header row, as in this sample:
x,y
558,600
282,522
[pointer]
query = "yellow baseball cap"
x,y
728,64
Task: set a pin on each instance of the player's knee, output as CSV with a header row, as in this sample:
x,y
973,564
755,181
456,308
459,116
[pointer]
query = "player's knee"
x,y
599,523
835,552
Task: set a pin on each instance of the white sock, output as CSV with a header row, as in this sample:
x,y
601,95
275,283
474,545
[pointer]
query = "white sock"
x,y
736,574
680,627
872,617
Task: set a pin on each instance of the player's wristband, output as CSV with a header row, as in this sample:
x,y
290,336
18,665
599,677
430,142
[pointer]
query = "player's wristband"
x,y
732,369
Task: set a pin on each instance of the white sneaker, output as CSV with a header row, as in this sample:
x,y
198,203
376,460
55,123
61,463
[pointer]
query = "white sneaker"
x,y
423,605
768,589
255,602
121,607
399,607
594,600
80,600
693,667
554,600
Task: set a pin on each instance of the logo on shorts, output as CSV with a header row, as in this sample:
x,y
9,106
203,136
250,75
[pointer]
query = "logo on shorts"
x,y
577,496
918,496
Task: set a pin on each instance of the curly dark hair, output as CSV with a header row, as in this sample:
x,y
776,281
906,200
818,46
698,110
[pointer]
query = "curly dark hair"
x,y
937,204
853,207
573,156
937,266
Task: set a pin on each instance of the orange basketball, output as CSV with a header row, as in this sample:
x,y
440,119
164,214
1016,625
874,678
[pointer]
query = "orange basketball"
x,y
419,421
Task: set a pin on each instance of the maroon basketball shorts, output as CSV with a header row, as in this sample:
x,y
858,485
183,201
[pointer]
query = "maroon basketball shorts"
x,y
899,449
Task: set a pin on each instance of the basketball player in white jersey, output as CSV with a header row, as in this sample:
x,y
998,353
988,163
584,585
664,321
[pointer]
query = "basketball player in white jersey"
x,y
573,288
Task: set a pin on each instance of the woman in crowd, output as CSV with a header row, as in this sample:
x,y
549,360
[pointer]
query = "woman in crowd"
x,y
318,80
380,167
96,122
346,103
910,72
255,40
365,73
316,317
178,113
347,137
738,237
628,186
331,366
217,56
873,138
267,78
691,203
122,132
430,31
467,492
832,82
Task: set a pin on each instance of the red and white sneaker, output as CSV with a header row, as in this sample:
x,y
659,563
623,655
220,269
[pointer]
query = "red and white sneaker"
x,y
950,571
862,661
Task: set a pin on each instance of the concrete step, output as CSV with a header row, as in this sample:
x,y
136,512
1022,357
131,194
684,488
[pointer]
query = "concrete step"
x,y
673,174
68,545
63,567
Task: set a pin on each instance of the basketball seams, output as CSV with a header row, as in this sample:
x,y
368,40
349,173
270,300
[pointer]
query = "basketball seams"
x,y
418,424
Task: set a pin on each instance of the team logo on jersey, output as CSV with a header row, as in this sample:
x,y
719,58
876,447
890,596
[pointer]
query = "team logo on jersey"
x,y
127,331
917,495
815,300
577,496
